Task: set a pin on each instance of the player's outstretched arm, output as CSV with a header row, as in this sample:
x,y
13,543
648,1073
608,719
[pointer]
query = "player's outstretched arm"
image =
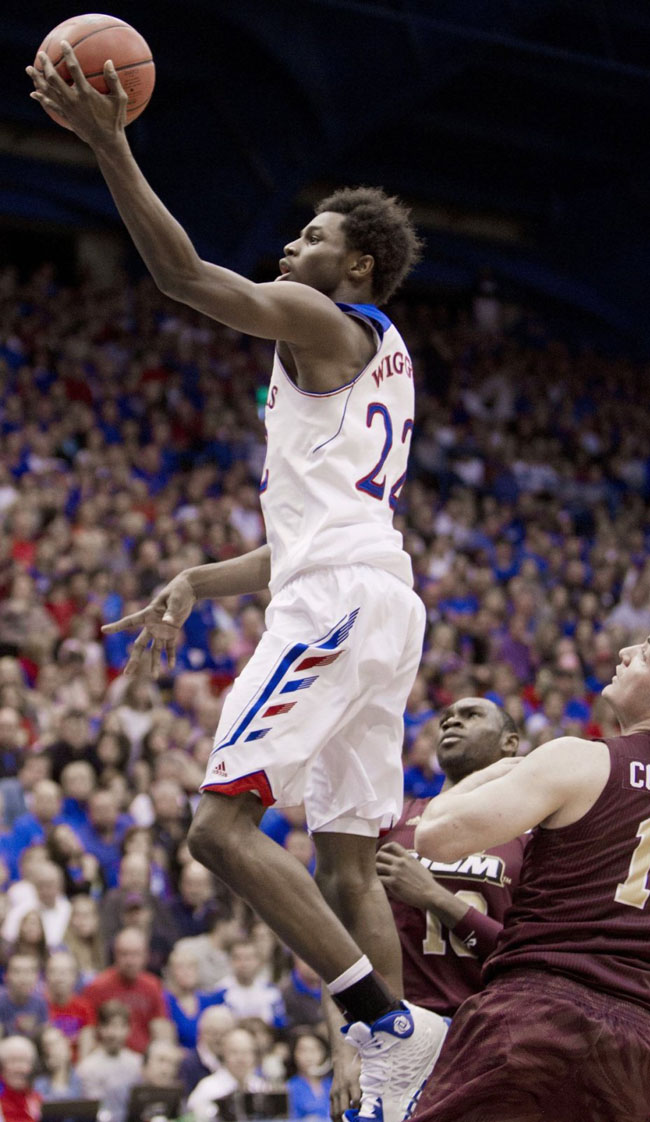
x,y
292,312
159,623
555,785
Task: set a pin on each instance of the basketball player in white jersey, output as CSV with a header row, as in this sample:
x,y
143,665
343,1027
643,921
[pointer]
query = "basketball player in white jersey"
x,y
316,715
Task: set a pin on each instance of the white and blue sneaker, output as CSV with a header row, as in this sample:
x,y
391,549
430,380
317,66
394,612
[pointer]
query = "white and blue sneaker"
x,y
397,1054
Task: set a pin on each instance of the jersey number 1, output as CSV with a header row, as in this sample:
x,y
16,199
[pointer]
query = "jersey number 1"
x,y
633,891
435,942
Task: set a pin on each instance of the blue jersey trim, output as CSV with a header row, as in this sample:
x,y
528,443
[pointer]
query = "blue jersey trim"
x,y
330,641
299,684
379,321
292,656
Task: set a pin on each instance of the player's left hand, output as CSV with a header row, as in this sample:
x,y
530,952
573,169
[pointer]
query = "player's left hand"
x,y
92,115
345,1092
160,623
403,876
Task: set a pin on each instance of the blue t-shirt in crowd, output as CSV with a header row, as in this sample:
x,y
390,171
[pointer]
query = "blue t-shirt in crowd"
x,y
186,1026
304,1102
23,1020
417,785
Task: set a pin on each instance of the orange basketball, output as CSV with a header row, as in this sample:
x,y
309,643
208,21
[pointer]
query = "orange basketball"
x,y
96,38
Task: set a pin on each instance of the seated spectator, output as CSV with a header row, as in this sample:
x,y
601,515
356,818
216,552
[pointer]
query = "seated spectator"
x,y
277,822
19,1102
22,1010
549,718
275,959
159,934
83,938
81,873
139,839
52,906
4,881
422,778
113,751
271,1052
213,949
301,994
632,613
244,993
12,794
33,827
12,742
22,892
59,1079
194,907
309,1087
205,1058
73,743
418,709
172,816
66,1009
237,1073
136,710
78,781
109,1072
127,981
299,843
103,834
184,1000
132,886
29,940
161,1063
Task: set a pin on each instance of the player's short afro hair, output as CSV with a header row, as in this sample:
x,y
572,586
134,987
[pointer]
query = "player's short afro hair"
x,y
508,726
378,224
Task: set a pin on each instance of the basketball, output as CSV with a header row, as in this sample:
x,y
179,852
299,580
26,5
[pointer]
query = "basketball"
x,y
95,39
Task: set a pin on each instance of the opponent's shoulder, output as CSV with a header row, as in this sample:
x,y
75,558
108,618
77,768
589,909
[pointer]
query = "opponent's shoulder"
x,y
566,756
576,768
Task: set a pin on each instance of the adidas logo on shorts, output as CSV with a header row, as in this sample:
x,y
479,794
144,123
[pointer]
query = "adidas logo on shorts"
x,y
219,769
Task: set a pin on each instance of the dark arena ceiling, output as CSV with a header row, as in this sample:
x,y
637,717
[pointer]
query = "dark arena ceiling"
x,y
518,130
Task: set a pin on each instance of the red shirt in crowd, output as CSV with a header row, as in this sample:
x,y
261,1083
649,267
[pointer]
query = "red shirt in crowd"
x,y
71,1018
19,1106
143,997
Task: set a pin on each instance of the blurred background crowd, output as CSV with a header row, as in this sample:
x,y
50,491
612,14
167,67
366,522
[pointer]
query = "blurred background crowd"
x,y
132,446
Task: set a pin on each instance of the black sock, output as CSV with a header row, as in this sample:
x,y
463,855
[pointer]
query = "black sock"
x,y
366,1000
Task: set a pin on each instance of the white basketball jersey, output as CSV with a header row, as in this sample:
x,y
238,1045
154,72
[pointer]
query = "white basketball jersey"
x,y
336,462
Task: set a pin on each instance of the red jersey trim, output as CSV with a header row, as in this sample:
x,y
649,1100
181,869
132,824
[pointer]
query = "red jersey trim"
x,y
257,781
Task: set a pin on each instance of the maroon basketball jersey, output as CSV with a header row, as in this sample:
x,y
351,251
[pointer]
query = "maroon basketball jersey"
x,y
581,906
441,967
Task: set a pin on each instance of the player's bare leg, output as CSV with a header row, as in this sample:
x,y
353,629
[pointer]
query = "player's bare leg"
x,y
225,838
397,1045
347,877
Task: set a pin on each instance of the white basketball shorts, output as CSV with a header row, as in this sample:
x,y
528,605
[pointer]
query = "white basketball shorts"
x,y
316,716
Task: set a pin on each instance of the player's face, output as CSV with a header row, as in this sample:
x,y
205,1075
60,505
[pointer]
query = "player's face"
x,y
320,256
629,690
469,738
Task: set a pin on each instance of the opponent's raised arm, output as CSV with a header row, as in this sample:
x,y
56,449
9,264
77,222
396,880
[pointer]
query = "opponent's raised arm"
x,y
294,313
561,779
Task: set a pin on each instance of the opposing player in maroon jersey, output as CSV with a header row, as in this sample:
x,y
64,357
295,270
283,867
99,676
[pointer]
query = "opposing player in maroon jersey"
x,y
561,1031
449,914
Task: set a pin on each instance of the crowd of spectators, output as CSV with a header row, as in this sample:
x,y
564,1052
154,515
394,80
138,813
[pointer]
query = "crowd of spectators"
x,y
131,447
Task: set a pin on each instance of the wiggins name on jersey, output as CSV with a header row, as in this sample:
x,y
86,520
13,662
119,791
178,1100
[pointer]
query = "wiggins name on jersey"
x,y
336,462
